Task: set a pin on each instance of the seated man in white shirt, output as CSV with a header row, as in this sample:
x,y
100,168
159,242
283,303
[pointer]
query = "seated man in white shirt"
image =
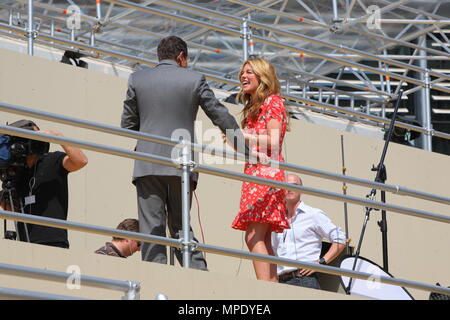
x,y
303,241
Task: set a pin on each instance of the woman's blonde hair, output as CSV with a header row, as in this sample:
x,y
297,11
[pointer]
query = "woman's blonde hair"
x,y
268,84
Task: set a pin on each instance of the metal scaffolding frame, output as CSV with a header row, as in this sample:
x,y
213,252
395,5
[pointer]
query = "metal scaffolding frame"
x,y
308,103
307,41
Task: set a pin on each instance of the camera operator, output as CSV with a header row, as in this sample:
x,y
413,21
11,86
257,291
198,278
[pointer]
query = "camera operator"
x,y
46,187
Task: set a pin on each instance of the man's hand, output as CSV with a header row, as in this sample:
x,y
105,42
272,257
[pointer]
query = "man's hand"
x,y
335,250
262,158
307,272
75,158
52,132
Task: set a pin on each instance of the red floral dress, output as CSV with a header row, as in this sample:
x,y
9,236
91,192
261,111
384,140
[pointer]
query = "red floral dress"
x,y
264,203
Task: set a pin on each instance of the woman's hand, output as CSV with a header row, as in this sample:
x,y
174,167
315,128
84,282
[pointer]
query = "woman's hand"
x,y
262,157
224,138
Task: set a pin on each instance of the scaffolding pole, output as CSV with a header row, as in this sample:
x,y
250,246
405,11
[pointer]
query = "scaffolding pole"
x,y
30,27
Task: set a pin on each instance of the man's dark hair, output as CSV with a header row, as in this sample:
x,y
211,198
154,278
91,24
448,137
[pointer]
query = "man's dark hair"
x,y
170,48
128,225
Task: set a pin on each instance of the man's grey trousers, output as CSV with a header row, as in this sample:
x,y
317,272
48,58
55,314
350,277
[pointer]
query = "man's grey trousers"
x,y
160,201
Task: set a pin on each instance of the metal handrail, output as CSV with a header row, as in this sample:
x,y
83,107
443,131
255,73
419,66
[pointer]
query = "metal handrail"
x,y
50,222
163,140
307,102
219,172
33,295
130,288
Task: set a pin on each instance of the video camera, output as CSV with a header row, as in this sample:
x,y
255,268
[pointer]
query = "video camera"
x,y
14,150
13,157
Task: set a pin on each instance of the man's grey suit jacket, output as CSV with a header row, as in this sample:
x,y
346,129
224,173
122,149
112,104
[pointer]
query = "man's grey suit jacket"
x,y
163,99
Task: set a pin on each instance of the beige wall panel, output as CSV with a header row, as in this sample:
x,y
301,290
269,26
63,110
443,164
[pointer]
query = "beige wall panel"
x,y
102,193
176,283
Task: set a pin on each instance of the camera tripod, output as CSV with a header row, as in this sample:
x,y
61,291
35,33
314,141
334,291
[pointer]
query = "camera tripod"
x,y
7,196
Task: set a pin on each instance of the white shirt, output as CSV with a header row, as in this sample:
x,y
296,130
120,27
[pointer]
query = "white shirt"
x,y
303,241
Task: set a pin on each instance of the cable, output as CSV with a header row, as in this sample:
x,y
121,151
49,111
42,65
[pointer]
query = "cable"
x,y
240,259
5,227
203,235
285,151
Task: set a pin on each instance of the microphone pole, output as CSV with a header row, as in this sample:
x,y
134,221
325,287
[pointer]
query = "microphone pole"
x,y
380,177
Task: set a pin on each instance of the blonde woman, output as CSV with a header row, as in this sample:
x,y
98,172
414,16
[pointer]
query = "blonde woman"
x,y
262,208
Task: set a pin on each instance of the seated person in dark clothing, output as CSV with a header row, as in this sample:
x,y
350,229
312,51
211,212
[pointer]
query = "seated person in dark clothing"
x,y
43,186
120,247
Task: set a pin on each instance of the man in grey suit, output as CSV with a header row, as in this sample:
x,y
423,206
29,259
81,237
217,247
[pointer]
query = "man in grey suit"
x,y
159,101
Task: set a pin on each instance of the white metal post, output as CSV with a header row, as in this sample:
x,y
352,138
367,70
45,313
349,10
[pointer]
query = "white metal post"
x,y
10,19
426,107
92,41
30,31
251,44
335,11
423,104
244,33
99,9
52,28
185,194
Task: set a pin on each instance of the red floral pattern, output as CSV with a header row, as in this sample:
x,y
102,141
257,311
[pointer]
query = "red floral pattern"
x,y
263,203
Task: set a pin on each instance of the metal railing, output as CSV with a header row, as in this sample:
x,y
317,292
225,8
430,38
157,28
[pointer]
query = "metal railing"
x,y
214,151
186,244
219,172
10,293
180,243
130,288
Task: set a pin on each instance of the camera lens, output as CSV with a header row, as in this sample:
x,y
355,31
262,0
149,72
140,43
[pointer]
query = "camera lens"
x,y
18,149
